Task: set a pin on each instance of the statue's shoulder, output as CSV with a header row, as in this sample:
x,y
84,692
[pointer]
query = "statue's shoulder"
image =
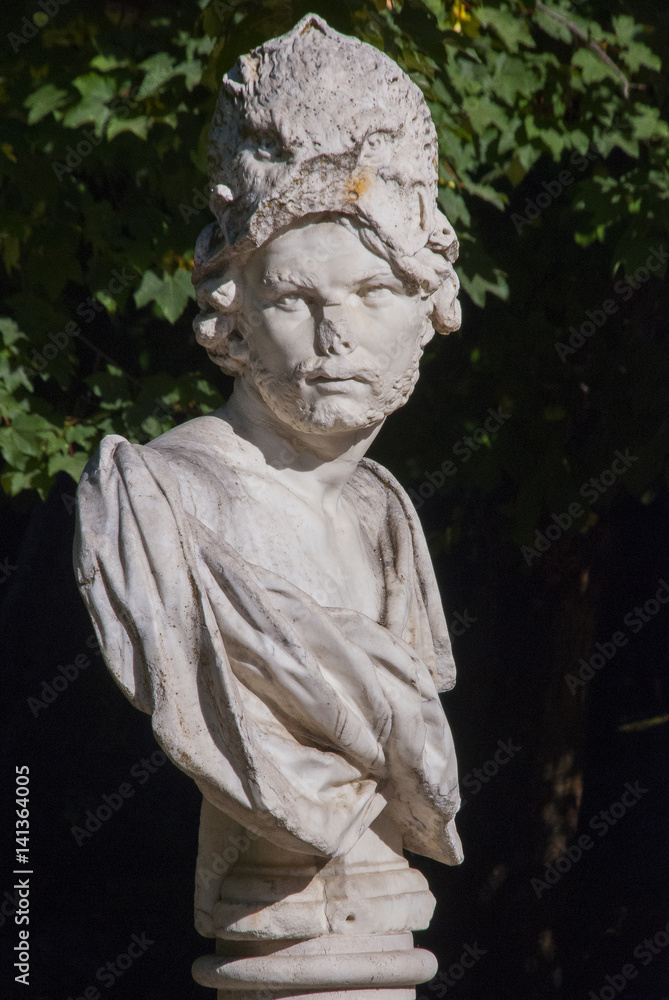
x,y
209,435
376,483
206,457
205,448
194,460
380,500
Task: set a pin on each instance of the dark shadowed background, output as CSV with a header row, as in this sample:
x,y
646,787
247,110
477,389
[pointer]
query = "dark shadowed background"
x,y
549,547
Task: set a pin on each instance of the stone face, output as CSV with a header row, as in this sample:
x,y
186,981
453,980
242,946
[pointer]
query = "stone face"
x,y
257,585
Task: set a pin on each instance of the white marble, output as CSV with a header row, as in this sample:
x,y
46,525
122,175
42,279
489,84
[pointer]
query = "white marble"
x,y
261,588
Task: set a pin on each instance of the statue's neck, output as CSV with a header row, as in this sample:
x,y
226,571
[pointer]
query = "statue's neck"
x,y
316,466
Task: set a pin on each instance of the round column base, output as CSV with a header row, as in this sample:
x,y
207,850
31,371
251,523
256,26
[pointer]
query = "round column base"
x,y
336,967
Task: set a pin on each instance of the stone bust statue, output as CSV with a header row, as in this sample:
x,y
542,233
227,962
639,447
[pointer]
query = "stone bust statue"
x,y
261,588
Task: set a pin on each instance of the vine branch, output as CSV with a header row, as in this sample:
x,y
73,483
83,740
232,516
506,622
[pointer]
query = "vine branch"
x,y
575,30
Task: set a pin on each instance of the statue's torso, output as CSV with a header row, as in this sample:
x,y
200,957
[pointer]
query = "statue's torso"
x,y
274,705
331,557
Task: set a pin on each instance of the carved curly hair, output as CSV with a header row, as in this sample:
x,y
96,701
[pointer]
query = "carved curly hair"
x,y
220,296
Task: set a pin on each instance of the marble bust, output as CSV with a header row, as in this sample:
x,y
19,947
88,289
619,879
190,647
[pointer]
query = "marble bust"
x,y
261,588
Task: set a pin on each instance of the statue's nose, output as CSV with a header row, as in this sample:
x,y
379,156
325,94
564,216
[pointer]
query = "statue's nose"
x,y
333,332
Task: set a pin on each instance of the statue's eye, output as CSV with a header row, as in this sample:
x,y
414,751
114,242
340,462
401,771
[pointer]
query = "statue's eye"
x,y
291,300
376,293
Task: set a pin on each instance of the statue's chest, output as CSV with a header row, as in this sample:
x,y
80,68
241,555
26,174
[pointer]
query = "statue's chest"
x,y
331,559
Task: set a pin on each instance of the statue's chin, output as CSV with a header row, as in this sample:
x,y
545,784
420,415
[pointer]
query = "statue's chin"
x,y
328,418
327,415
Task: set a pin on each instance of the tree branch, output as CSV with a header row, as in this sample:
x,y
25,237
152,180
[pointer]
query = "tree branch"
x,y
575,30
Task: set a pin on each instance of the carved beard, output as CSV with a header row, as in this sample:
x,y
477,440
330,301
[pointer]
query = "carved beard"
x,y
283,394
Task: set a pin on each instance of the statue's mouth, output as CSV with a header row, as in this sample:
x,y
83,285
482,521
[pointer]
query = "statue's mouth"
x,y
326,378
320,379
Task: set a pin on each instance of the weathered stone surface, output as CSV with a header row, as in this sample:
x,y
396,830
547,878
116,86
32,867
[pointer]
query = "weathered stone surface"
x,y
261,588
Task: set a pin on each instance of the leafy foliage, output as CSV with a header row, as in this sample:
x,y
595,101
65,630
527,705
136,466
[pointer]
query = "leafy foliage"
x,y
103,193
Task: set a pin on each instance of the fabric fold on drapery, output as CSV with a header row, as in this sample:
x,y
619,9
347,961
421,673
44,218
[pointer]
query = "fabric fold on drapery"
x,y
299,722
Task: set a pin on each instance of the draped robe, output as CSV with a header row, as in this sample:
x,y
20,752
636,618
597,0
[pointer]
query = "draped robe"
x,y
299,722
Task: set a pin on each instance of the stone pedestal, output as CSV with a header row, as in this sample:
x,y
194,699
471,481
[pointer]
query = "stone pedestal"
x,y
294,925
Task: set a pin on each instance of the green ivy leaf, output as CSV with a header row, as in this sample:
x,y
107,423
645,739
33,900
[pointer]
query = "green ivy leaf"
x,y
96,91
10,332
44,101
552,26
14,481
158,69
511,29
514,76
625,28
170,293
192,71
648,124
64,462
593,69
139,126
637,55
105,63
482,112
